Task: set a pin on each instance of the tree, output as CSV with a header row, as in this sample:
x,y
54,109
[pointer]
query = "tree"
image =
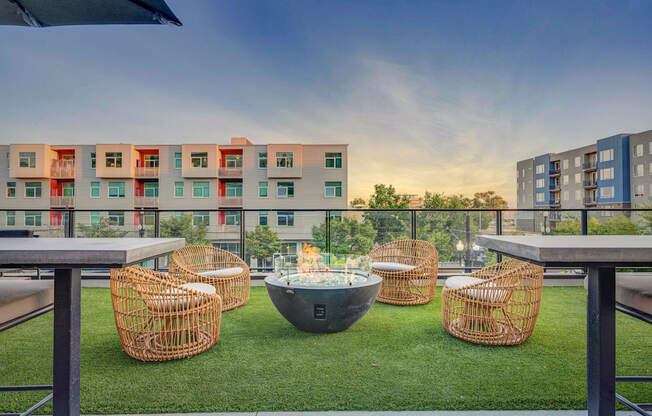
x,y
262,243
182,227
389,226
348,236
488,199
385,196
358,202
612,226
102,229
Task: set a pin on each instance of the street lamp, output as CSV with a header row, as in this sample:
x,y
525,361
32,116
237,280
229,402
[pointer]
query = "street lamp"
x,y
141,230
460,247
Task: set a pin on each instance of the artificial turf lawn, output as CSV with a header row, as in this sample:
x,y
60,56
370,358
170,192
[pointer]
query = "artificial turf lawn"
x,y
395,358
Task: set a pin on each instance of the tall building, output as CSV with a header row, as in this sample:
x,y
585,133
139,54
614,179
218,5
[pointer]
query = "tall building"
x,y
613,172
105,178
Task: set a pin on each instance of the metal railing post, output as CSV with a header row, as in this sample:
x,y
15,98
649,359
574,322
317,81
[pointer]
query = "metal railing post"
x,y
157,233
585,222
413,225
499,231
71,224
243,236
467,253
328,234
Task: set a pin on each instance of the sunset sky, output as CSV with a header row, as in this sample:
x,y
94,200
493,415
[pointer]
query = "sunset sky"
x,y
438,96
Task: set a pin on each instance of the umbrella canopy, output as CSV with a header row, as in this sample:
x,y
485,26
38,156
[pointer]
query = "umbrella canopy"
x,y
41,13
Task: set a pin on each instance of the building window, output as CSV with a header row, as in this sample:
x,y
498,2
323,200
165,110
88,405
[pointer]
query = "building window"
x,y
232,218
607,192
564,164
540,183
334,160
95,217
113,159
578,161
523,186
116,189
32,189
151,189
229,246
288,249
285,218
606,174
11,189
284,159
564,179
638,150
199,159
233,161
200,217
116,218
523,173
233,190
540,169
11,217
541,196
262,189
262,217
200,189
178,189
606,155
33,219
333,189
9,160
27,159
150,161
578,194
93,160
95,189
578,178
565,195
178,161
639,170
639,190
285,190
650,168
262,160
68,189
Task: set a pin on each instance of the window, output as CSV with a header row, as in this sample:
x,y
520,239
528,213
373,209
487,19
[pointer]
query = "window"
x,y
540,169
11,189
199,159
606,174
200,190
523,173
564,179
95,189
68,189
541,196
150,189
262,160
578,178
27,159
150,161
650,168
262,189
333,189
178,189
116,189
11,217
578,161
116,218
638,150
564,164
9,160
285,218
523,185
113,159
334,160
233,161
639,190
33,219
565,195
231,247
233,190
639,170
149,218
285,190
95,217
232,218
200,217
178,161
284,159
262,217
32,189
606,155
578,194
540,183
93,160
607,192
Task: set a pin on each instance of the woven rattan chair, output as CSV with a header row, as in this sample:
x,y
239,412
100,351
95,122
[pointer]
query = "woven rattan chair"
x,y
497,305
409,271
228,273
161,318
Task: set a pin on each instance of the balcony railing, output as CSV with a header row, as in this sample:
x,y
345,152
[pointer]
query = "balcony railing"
x,y
230,202
62,169
554,187
142,201
230,172
590,201
590,183
60,201
554,171
224,228
554,202
146,172
590,164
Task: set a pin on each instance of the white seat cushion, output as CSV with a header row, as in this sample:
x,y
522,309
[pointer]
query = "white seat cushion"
x,y
228,272
173,299
387,266
200,287
460,282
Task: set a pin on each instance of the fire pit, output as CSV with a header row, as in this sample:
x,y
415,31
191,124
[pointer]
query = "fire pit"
x,y
319,292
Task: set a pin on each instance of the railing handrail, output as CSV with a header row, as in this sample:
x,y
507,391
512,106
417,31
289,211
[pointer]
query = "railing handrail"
x,y
404,210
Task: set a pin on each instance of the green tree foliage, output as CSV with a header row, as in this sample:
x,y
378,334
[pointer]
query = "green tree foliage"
x,y
389,226
182,227
358,202
620,225
262,242
348,236
103,229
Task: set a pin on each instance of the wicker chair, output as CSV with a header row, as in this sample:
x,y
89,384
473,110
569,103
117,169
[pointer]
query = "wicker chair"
x,y
497,305
409,271
220,268
161,318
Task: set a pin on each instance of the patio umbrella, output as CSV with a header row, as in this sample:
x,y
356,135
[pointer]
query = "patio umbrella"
x,y
41,13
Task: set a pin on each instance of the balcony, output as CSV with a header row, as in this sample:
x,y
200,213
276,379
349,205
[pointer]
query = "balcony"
x,y
59,201
141,201
555,203
62,169
590,183
555,187
146,172
590,201
555,171
224,228
230,172
590,165
230,202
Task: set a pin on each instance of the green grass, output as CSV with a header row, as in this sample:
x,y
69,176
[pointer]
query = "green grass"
x,y
395,358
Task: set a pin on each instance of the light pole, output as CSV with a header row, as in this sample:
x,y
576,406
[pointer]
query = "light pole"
x,y
476,249
459,247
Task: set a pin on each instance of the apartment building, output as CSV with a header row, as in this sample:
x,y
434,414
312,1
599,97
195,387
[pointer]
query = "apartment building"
x,y
613,172
106,178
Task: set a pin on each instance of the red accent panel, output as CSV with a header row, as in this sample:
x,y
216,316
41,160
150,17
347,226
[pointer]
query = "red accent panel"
x,y
61,152
228,152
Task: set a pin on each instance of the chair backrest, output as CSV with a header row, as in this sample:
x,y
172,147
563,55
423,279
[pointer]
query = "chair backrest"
x,y
502,278
412,252
198,259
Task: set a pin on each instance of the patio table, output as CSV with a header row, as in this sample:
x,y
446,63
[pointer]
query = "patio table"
x,y
600,255
67,256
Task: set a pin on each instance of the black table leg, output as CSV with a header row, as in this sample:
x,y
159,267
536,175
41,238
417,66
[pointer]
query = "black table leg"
x,y
67,307
601,341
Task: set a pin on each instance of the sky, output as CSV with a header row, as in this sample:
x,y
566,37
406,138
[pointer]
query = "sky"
x,y
439,96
